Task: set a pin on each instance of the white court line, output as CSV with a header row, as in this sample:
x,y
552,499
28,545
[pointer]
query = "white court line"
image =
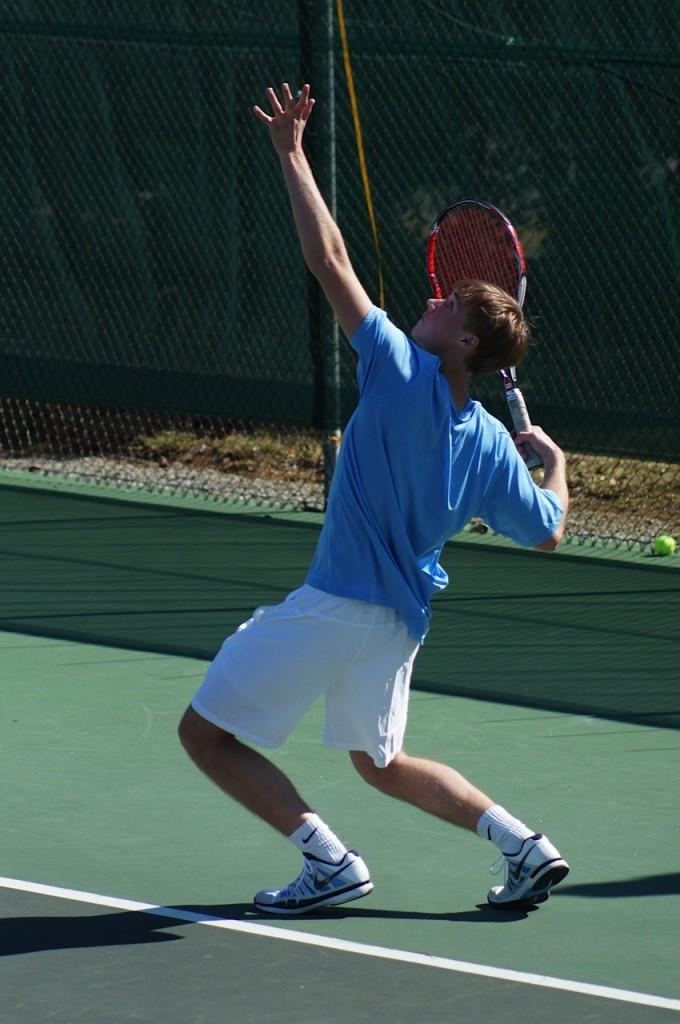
x,y
344,945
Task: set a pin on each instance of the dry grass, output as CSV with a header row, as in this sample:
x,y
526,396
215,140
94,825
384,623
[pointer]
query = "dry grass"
x,y
624,498
295,456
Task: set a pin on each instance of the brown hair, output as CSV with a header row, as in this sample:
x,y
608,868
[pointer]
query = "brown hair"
x,y
497,320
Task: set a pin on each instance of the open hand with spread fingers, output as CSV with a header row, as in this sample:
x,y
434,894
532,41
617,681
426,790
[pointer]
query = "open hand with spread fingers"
x,y
288,119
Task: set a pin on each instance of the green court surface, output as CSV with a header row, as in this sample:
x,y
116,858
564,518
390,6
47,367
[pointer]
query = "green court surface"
x,y
549,680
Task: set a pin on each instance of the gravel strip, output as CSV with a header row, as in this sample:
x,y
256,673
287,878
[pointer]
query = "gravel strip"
x,y
175,479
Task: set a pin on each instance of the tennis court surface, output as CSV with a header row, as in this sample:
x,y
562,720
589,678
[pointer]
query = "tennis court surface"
x,y
551,681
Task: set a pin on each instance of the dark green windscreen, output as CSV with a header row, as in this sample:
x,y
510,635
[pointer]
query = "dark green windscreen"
x,y
149,259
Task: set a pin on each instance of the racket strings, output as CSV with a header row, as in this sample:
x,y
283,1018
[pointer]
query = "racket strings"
x,y
471,245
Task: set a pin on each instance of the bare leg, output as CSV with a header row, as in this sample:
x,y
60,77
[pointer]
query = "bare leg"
x,y
435,788
243,774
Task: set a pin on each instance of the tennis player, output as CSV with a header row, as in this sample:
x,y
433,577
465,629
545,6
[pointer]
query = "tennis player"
x,y
419,458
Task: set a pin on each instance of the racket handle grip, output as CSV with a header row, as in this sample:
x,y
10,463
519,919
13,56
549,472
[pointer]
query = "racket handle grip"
x,y
521,422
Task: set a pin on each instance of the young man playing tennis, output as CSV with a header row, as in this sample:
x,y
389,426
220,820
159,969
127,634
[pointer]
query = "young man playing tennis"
x,y
418,459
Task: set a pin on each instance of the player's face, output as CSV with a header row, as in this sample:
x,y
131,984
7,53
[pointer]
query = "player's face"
x,y
441,322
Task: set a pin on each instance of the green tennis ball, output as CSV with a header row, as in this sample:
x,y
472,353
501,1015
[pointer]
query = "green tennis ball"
x,y
664,545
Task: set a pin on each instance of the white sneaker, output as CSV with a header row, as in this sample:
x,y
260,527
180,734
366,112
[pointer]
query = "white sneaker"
x,y
529,874
319,884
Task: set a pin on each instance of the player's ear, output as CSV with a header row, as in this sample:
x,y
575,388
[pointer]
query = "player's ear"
x,y
470,341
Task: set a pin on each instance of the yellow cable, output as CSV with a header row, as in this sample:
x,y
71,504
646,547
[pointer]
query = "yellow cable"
x,y
360,147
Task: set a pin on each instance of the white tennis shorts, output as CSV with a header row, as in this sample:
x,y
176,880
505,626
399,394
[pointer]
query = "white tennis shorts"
x,y
271,670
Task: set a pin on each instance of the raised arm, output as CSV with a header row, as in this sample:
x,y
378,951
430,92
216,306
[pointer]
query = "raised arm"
x,y
322,243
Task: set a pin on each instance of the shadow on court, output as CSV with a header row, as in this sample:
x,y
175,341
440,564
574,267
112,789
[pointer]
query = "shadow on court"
x,y
648,885
583,635
131,966
35,934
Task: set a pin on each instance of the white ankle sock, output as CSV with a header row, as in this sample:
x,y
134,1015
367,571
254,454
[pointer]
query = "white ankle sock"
x,y
501,828
315,837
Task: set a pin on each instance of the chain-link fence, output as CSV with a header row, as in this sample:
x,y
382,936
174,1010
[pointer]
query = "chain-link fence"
x,y
157,325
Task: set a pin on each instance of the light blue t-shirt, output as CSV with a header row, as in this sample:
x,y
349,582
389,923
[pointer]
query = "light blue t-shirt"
x,y
412,472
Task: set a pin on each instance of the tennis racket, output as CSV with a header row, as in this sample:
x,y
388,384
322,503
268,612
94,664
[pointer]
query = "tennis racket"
x,y
472,240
